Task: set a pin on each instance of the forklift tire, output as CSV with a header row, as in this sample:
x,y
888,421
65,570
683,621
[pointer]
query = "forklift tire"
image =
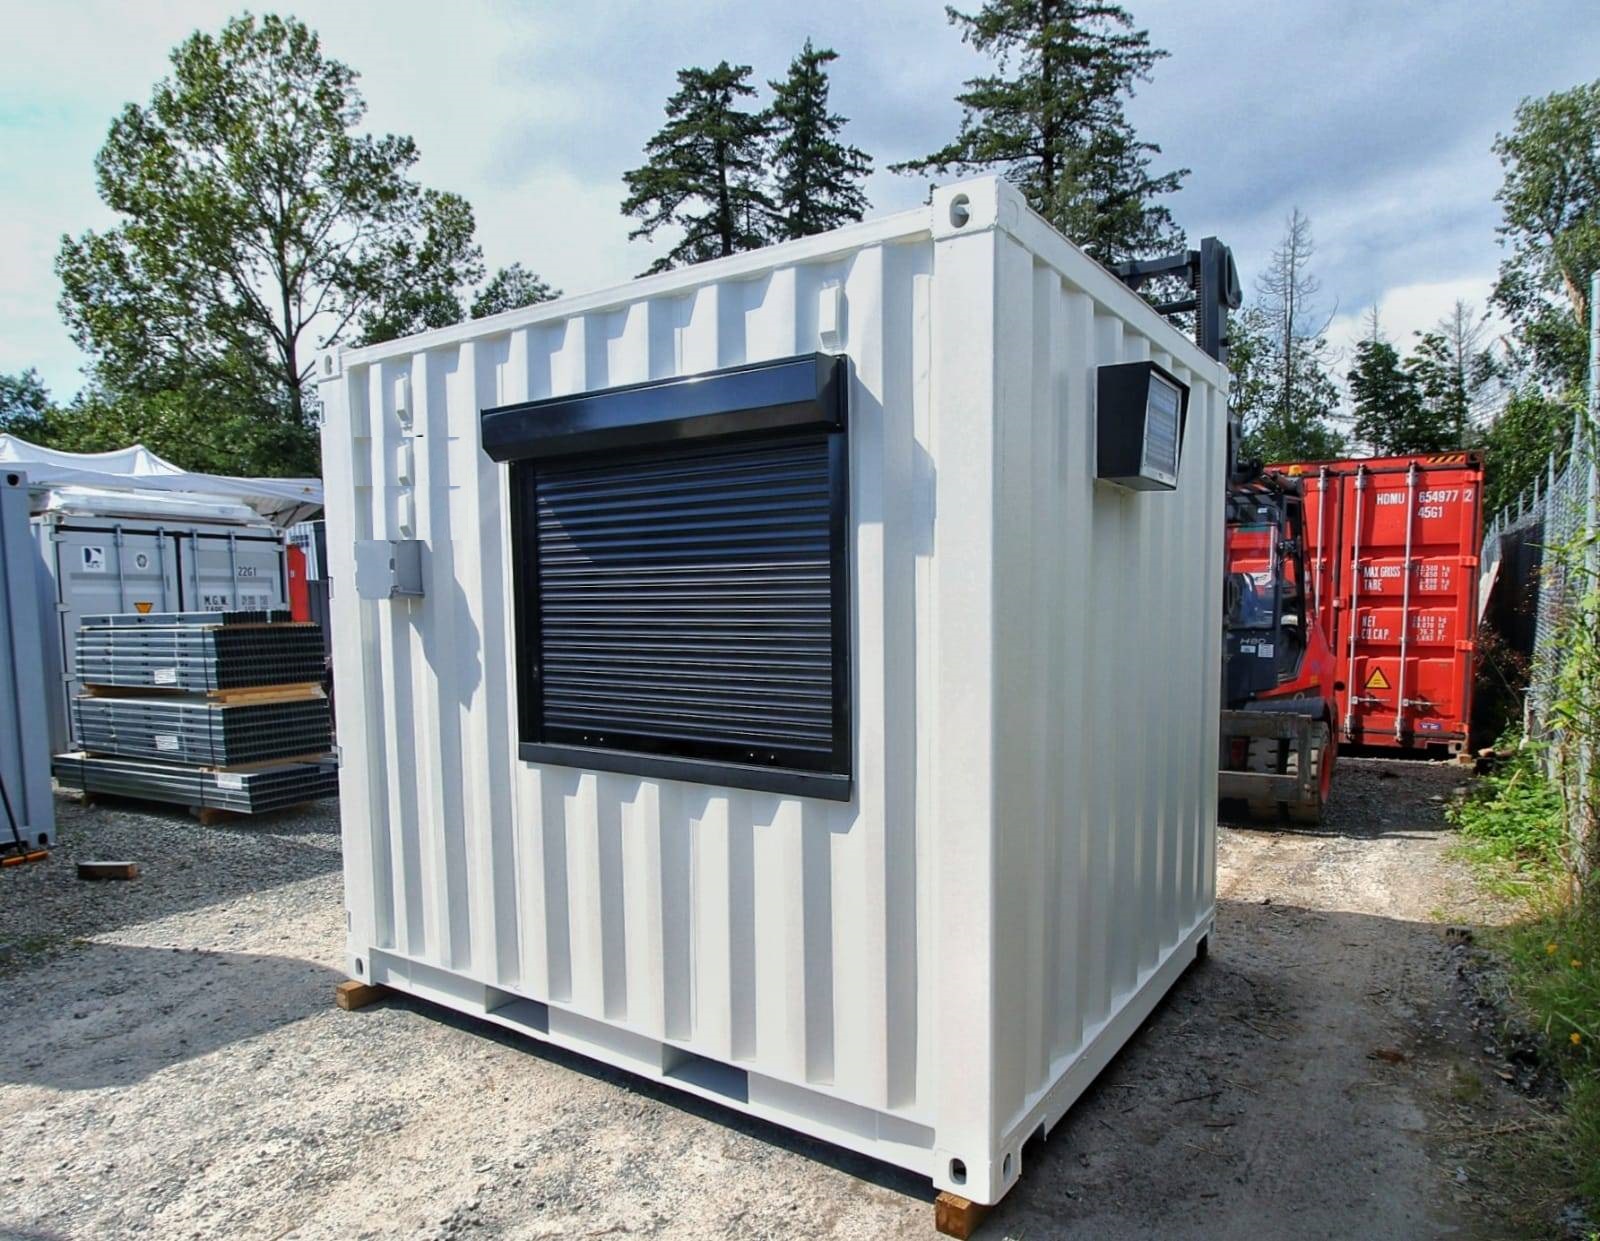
x,y
1309,813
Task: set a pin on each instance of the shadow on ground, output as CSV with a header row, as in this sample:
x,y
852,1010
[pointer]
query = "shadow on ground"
x,y
118,1014
183,866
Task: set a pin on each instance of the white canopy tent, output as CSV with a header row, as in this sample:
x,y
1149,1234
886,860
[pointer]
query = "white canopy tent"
x,y
281,501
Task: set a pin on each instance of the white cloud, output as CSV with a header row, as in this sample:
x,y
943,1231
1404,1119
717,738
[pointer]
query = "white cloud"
x,y
1406,309
1377,122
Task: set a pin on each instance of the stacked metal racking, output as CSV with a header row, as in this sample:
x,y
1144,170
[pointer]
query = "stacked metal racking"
x,y
218,711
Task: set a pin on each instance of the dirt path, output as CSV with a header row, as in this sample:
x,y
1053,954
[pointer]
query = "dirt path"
x,y
180,1072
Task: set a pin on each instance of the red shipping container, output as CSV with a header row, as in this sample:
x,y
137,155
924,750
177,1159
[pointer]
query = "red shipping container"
x,y
1392,553
299,593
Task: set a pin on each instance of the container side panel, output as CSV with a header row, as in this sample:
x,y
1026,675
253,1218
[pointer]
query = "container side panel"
x,y
775,934
1024,860
1107,661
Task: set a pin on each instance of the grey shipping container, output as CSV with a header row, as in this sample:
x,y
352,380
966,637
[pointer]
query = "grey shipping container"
x,y
24,752
103,563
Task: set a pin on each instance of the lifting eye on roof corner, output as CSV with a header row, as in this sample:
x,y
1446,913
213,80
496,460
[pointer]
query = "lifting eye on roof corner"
x,y
1214,281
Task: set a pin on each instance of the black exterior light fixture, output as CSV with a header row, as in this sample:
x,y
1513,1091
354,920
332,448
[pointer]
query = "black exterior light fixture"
x,y
1142,410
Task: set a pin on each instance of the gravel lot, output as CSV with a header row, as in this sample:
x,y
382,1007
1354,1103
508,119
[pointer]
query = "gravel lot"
x,y
174,1067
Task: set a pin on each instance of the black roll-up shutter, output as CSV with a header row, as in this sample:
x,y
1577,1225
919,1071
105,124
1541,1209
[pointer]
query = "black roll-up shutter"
x,y
686,604
682,576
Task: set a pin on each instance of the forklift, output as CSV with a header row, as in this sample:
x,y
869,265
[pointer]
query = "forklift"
x,y
1277,737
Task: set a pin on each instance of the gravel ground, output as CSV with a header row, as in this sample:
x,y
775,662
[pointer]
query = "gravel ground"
x,y
175,1068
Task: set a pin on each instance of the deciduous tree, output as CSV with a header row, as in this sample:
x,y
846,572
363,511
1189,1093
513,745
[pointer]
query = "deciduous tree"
x,y
256,225
24,403
1273,432
1550,202
511,288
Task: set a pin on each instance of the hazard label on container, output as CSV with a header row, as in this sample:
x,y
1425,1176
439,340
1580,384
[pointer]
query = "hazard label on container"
x,y
143,606
1377,680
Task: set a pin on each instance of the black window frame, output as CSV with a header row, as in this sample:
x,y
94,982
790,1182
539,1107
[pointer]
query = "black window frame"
x,y
784,402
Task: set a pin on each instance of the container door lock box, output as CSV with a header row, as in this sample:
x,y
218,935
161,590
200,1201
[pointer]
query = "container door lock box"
x,y
389,568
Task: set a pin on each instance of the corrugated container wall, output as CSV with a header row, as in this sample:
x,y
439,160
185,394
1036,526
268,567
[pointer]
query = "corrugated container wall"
x,y
931,969
1393,560
24,741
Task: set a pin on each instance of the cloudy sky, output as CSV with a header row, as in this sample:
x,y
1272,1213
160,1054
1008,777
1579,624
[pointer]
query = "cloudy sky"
x,y
1375,118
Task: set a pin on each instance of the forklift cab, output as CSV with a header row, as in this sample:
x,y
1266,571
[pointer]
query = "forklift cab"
x,y
1266,600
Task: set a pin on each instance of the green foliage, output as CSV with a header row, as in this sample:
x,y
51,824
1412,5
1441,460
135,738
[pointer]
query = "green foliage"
x,y
1517,446
1282,393
1513,827
1274,431
198,428
1453,372
1573,716
255,225
1390,413
1553,972
24,403
1512,824
703,172
1052,122
424,271
816,176
511,288
191,427
1550,201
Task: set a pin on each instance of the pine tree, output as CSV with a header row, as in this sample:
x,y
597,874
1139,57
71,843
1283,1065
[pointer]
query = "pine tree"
x,y
1056,127
703,172
817,178
1453,371
1390,414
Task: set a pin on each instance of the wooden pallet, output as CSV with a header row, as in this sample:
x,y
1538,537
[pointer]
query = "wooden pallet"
x,y
244,696
217,816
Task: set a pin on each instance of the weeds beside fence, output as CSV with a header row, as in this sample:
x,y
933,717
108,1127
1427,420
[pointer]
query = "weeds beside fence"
x,y
1561,709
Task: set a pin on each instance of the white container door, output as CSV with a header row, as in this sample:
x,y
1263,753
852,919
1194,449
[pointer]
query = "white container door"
x,y
108,569
223,572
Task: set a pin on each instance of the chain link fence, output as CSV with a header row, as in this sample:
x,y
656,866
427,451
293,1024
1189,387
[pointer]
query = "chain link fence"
x,y
1558,519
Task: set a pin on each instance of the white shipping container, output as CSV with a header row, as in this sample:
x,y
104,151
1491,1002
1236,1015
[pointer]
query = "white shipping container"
x,y
27,816
922,944
103,551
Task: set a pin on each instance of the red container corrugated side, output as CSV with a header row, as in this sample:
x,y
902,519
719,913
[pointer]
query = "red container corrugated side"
x,y
1392,553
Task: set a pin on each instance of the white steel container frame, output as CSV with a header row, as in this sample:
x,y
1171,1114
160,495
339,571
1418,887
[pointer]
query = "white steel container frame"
x,y
24,738
933,971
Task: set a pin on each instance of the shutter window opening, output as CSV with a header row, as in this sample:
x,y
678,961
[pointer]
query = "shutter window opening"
x,y
681,610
